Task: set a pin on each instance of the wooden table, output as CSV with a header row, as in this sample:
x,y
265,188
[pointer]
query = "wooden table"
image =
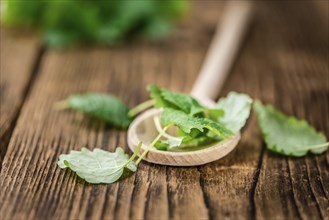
x,y
284,61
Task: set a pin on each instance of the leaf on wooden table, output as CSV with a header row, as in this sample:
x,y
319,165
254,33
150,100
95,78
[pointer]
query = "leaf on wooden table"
x,y
287,135
105,107
98,166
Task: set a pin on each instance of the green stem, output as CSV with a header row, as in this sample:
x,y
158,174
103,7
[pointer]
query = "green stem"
x,y
151,145
160,129
61,105
141,107
135,154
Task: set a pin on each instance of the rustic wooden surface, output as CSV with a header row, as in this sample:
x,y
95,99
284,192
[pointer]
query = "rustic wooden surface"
x,y
284,62
19,57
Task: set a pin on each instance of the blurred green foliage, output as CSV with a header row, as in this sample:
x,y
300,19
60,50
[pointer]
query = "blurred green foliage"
x,y
65,22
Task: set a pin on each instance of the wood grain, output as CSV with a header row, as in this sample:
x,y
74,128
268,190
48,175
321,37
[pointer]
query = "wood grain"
x,y
17,62
299,186
283,62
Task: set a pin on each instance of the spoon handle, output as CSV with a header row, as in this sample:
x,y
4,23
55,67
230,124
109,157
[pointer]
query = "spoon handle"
x,y
223,49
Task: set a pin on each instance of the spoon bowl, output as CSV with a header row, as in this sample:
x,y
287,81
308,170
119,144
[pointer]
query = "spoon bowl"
x,y
143,129
217,64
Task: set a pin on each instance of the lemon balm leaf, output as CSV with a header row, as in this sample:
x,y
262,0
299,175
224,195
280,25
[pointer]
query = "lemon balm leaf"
x,y
164,98
288,135
156,95
183,102
236,107
187,123
105,107
181,120
98,166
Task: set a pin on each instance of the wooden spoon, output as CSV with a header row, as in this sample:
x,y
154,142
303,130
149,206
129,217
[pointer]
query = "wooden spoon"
x,y
218,62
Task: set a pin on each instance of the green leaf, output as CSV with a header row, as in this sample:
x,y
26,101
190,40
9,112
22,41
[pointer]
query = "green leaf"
x,y
156,95
101,106
99,166
64,23
236,110
198,141
159,145
187,123
173,142
214,114
183,102
287,135
194,139
217,128
180,119
167,99
170,142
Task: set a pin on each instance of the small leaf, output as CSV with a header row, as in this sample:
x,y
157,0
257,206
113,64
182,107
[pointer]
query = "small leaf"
x,y
101,106
183,102
156,95
236,109
173,142
287,135
160,145
199,141
167,99
98,166
186,123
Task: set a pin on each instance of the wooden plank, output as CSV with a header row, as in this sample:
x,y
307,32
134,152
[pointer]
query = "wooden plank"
x,y
18,55
297,187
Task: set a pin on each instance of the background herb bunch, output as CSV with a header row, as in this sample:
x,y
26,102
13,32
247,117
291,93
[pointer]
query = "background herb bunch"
x,y
105,21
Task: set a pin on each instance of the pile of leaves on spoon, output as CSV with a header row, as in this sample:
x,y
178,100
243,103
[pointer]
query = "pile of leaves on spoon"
x,y
197,127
